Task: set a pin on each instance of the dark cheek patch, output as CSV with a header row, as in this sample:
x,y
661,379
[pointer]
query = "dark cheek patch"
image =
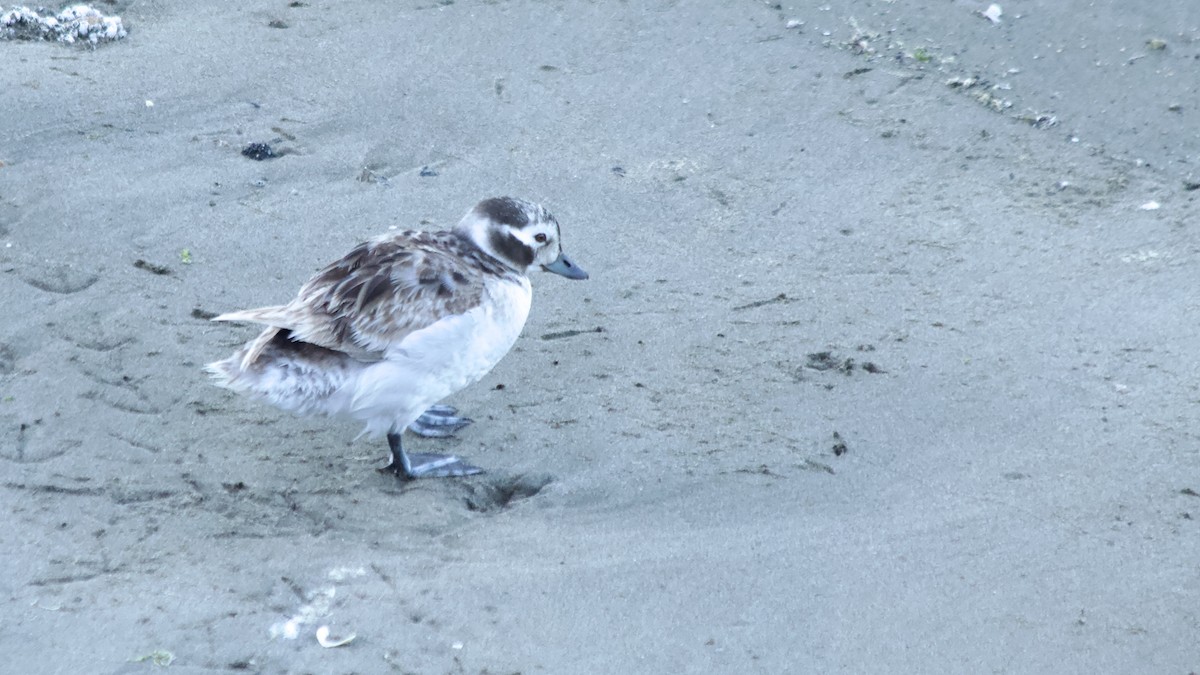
x,y
511,248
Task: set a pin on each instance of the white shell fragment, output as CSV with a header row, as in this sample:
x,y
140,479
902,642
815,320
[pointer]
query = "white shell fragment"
x,y
328,642
992,13
1150,206
77,22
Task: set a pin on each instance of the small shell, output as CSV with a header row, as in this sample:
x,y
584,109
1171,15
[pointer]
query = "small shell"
x,y
329,643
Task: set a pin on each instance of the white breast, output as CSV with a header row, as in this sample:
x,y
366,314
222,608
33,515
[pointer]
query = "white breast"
x,y
435,362
503,320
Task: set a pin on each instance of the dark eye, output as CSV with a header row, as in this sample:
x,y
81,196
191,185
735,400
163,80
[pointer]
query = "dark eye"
x,y
539,238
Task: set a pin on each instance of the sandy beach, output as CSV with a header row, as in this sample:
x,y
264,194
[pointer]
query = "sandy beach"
x,y
887,362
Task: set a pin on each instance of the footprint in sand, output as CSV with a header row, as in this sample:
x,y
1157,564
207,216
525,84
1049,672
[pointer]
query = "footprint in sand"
x,y
62,279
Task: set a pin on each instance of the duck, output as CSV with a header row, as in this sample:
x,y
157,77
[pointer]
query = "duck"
x,y
398,324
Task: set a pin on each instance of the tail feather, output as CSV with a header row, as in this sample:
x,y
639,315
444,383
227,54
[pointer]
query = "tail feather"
x,y
275,318
255,347
271,316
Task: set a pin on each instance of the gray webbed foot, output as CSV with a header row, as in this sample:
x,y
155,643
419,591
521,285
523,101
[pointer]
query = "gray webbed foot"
x,y
425,465
440,421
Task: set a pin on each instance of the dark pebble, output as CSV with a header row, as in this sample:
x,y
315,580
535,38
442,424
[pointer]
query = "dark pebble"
x,y
258,152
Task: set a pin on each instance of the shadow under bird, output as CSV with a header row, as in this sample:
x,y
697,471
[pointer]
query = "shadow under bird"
x,y
400,323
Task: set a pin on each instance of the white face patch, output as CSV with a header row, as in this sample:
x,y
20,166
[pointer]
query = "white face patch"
x,y
541,237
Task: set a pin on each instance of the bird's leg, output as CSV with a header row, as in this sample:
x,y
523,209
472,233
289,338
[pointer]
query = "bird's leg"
x,y
439,421
424,465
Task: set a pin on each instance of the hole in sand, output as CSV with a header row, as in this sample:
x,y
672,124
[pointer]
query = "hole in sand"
x,y
493,493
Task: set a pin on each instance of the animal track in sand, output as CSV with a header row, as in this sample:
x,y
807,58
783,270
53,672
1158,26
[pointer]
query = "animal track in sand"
x,y
25,443
62,279
124,394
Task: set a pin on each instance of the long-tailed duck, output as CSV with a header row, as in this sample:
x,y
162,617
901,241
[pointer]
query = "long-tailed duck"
x,y
398,324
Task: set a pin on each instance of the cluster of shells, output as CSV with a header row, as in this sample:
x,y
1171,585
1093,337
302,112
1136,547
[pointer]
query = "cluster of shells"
x,y
77,23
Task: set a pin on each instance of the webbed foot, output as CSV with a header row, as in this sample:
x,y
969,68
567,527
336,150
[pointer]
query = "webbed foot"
x,y
425,465
440,421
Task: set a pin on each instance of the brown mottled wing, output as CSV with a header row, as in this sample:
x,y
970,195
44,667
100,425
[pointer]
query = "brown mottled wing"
x,y
383,290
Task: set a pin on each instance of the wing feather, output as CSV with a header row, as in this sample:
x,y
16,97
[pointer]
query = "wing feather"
x,y
379,293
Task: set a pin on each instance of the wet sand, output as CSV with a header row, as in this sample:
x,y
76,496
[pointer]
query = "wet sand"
x,y
887,362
